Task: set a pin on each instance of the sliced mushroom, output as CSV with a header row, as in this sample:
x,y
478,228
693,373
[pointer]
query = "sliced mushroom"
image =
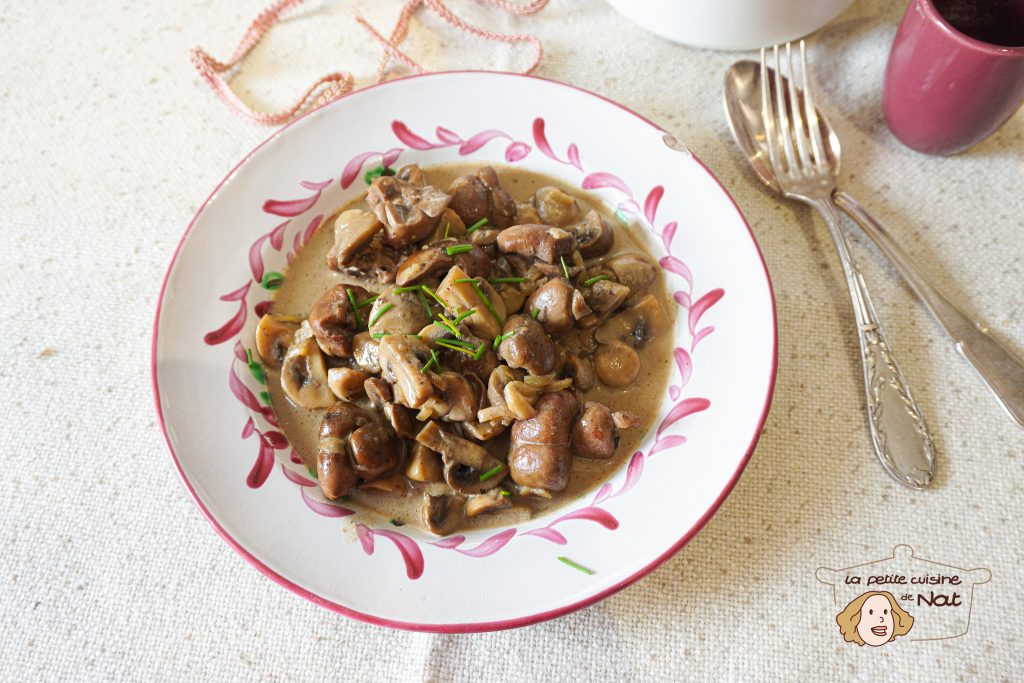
x,y
468,468
366,352
594,237
624,419
581,370
389,483
353,230
527,346
539,455
335,471
334,320
462,296
409,211
424,465
346,383
484,237
534,240
526,212
397,312
374,262
579,307
633,270
478,196
616,364
274,335
442,515
449,226
556,207
604,297
377,390
303,372
402,358
374,451
511,295
636,325
459,393
554,301
492,501
594,434
435,260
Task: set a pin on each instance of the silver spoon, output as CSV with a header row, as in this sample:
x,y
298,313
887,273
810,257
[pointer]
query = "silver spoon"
x,y
1000,368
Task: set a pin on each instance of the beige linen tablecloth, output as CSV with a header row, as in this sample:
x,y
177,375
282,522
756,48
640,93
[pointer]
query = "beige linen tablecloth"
x,y
108,570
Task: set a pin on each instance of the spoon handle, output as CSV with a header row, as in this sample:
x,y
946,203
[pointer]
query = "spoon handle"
x,y
898,431
1001,370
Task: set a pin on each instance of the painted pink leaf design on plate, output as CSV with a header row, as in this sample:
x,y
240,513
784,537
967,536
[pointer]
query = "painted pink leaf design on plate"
x,y
409,138
234,325
240,352
450,542
548,534
409,550
294,207
633,472
447,136
247,398
516,151
687,406
700,335
651,203
296,478
674,391
307,234
574,156
666,442
294,457
682,298
479,140
603,493
311,185
276,237
490,545
541,139
674,265
356,163
591,514
596,181
262,308
701,305
365,536
668,234
327,509
264,464
276,439
685,364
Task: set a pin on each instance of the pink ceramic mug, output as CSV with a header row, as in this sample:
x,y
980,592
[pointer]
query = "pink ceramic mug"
x,y
955,72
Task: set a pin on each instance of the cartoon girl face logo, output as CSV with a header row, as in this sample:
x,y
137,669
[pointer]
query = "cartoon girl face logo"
x,y
874,619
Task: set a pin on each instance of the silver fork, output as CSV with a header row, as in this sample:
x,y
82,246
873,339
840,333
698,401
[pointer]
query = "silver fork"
x,y
796,152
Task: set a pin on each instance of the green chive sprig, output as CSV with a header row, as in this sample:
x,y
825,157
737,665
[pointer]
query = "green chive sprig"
x,y
459,249
355,307
578,567
487,302
476,226
377,316
500,280
565,268
491,472
597,278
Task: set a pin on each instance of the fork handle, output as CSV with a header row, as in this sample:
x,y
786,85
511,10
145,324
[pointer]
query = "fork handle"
x,y
898,430
1001,370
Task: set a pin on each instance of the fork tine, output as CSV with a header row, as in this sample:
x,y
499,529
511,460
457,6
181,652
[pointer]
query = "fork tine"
x,y
812,114
783,117
768,115
802,142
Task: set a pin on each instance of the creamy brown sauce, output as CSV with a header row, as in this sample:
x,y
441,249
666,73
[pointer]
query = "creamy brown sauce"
x,y
308,276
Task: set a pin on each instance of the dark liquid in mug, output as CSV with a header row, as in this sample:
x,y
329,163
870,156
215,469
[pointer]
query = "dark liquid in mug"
x,y
999,22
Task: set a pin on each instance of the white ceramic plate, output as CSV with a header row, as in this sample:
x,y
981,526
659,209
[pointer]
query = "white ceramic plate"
x,y
238,467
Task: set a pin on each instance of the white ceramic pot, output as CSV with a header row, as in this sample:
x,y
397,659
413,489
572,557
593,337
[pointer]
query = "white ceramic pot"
x,y
731,24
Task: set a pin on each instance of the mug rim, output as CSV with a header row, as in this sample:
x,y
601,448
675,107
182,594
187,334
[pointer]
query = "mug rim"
x,y
991,48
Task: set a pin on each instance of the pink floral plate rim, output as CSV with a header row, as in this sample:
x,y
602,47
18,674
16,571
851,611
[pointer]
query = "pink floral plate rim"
x,y
480,626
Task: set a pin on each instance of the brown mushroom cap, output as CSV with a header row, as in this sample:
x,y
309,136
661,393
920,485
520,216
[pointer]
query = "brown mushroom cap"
x,y
616,364
527,345
274,335
479,196
492,501
533,240
333,319
442,515
374,451
434,260
594,434
539,455
335,471
402,358
346,383
304,373
556,207
396,312
366,352
635,325
353,230
554,301
409,211
633,270
594,237
424,465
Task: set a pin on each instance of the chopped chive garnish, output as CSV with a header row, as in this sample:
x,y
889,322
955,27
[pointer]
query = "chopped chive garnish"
x,y
480,351
462,316
490,473
383,309
499,280
379,335
487,303
476,226
437,361
577,567
535,313
355,307
507,494
434,296
444,343
466,279
403,290
423,300
565,268
502,337
459,249
598,278
459,342
447,227
447,324
367,301
429,363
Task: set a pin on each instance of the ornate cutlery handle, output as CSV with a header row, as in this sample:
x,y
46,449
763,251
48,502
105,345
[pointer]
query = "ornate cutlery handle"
x,y
898,431
1001,370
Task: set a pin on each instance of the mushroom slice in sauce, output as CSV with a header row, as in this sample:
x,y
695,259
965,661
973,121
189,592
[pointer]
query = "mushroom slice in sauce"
x,y
603,297
353,230
397,312
402,358
594,237
459,393
468,468
274,335
526,345
366,352
594,435
435,260
303,372
617,364
409,211
556,207
346,383
581,370
461,295
553,300
335,471
479,196
534,240
334,320
539,455
443,515
424,465
398,416
492,501
374,451
633,270
636,325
